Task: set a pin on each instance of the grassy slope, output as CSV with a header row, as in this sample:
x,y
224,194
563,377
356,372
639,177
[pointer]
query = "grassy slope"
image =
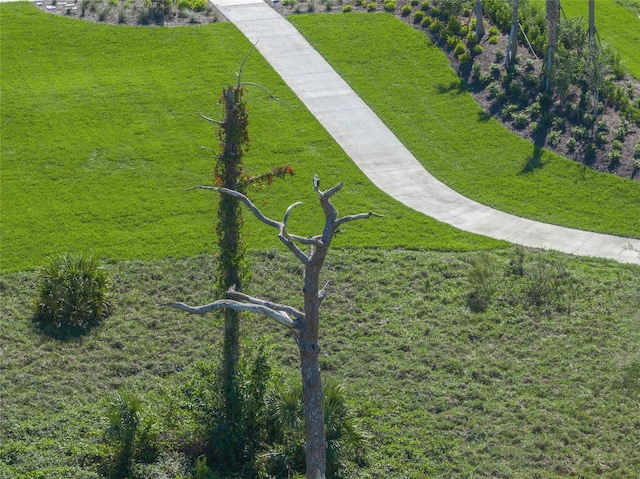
x,y
421,99
517,391
616,25
100,137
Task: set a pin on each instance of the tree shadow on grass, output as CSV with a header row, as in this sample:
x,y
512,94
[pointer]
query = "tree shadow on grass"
x,y
534,161
458,86
61,333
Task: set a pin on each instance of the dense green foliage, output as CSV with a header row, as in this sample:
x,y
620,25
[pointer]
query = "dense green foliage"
x,y
100,138
527,388
617,26
428,108
73,293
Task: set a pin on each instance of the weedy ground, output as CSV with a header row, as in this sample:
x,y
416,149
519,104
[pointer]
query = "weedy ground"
x,y
543,382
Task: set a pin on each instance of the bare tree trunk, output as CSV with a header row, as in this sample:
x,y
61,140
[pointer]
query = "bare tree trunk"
x,y
310,368
592,21
513,36
479,21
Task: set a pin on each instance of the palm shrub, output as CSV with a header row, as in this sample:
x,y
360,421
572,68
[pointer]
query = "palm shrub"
x,y
286,419
131,433
73,292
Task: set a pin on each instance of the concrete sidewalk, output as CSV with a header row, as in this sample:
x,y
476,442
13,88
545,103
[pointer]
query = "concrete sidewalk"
x,y
381,156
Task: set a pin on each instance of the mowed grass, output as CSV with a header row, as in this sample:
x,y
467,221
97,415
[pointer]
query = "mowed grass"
x,y
101,137
617,26
410,85
518,391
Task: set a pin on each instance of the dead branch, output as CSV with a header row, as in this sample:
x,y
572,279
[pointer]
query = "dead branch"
x,y
244,60
217,122
233,294
361,216
280,316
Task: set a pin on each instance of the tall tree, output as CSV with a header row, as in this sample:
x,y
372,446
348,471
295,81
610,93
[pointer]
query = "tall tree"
x,y
305,325
229,173
553,23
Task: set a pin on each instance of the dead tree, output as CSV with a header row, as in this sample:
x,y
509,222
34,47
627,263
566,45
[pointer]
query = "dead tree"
x,y
304,325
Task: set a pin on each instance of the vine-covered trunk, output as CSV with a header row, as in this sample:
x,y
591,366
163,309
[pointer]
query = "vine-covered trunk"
x,y
316,447
234,137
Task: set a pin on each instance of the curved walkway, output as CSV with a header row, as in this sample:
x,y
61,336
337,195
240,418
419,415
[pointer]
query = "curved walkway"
x,y
381,156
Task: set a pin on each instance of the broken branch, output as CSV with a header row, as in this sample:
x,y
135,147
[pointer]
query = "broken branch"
x,y
280,316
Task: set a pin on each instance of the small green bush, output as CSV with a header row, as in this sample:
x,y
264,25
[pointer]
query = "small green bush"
x,y
464,58
347,8
636,149
195,5
495,70
73,292
508,111
390,5
371,7
494,89
553,138
424,6
477,49
579,132
615,156
534,109
418,17
571,144
436,26
426,22
406,10
493,31
622,131
558,123
520,120
493,39
459,47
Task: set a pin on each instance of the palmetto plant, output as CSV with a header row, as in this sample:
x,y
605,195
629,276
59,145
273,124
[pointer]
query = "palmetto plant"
x,y
72,292
286,414
129,431
124,418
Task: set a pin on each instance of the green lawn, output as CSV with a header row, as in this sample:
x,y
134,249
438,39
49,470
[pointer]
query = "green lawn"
x,y
422,100
100,136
